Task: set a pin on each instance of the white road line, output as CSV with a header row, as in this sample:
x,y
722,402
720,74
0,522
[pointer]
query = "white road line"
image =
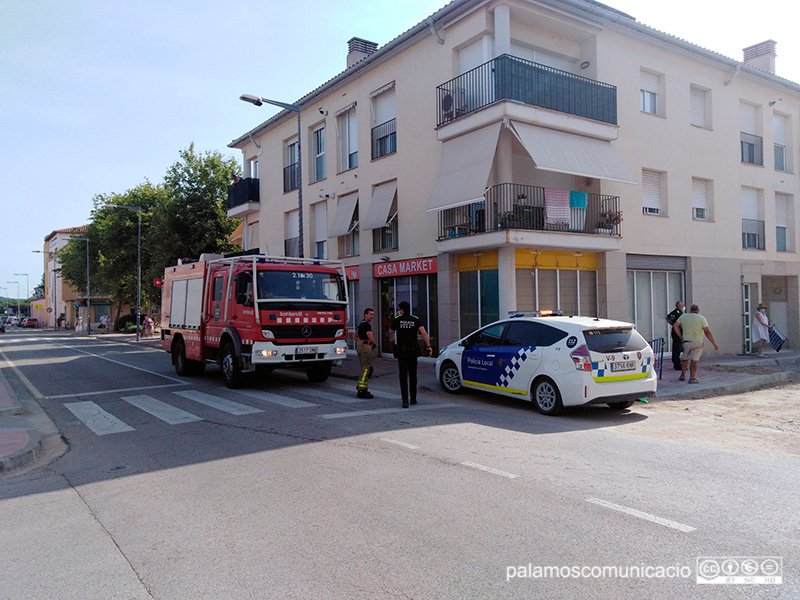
x,y
384,411
117,391
376,393
642,515
338,397
117,362
276,399
25,381
96,419
490,470
161,410
399,443
228,406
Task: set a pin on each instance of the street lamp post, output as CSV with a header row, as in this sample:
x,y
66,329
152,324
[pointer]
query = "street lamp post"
x,y
27,290
138,266
258,101
88,299
17,282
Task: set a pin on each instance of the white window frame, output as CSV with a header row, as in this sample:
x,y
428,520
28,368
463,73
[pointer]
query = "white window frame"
x,y
347,126
650,93
318,151
779,129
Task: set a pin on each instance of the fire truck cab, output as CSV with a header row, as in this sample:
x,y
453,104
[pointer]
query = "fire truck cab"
x,y
256,312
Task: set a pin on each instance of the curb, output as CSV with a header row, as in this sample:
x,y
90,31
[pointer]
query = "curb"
x,y
25,455
749,384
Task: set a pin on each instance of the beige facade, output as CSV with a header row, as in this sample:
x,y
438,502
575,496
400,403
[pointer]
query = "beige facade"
x,y
60,298
479,164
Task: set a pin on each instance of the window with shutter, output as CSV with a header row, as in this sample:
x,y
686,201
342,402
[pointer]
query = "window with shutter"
x,y
779,135
781,222
651,192
700,199
698,99
649,92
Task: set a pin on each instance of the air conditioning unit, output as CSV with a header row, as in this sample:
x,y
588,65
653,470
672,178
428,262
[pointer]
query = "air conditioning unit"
x,y
454,103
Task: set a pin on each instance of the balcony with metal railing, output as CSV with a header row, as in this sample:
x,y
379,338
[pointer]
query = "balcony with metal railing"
x,y
291,177
384,139
510,78
243,197
526,207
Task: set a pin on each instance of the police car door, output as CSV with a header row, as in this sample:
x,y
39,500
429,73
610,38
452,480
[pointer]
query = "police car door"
x,y
479,360
521,357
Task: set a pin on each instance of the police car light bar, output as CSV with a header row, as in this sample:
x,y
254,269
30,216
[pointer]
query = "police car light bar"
x,y
513,314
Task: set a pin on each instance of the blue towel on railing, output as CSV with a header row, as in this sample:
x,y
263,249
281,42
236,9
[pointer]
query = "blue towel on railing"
x,y
578,199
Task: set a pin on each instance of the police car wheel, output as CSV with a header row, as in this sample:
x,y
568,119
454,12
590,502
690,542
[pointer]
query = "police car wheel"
x,y
620,405
546,397
450,378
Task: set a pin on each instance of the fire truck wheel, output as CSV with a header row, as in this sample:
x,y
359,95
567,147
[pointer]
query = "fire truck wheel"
x,y
231,370
184,366
319,372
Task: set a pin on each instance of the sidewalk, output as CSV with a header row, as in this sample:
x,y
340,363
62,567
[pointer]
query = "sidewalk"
x,y
21,430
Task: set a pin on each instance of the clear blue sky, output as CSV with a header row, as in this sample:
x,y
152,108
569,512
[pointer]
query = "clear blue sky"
x,y
96,96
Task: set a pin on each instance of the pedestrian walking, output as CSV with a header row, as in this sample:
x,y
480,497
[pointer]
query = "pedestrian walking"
x,y
691,327
761,329
104,323
148,326
406,349
365,344
680,305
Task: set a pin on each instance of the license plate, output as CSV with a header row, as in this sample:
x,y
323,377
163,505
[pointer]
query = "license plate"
x,y
311,350
625,365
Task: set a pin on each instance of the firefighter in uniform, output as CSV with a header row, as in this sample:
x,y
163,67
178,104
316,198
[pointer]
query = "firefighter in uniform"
x,y
407,325
365,343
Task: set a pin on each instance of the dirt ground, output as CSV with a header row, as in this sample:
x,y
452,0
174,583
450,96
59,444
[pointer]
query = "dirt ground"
x,y
764,421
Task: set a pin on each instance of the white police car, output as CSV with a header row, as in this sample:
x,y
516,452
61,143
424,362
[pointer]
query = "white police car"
x,y
553,361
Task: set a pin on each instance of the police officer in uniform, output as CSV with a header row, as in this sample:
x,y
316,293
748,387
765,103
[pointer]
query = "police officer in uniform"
x,y
365,343
676,339
407,325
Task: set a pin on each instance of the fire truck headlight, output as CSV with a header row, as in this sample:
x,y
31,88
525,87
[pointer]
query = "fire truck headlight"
x,y
267,334
340,350
339,333
267,353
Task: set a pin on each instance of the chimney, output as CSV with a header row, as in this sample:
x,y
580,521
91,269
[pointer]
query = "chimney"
x,y
358,49
761,56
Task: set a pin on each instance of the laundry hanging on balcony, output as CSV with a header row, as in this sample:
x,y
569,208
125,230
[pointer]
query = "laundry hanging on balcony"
x,y
556,208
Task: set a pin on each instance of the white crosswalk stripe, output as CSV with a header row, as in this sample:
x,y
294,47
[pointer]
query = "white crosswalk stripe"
x,y
161,410
285,401
228,406
377,393
96,419
341,398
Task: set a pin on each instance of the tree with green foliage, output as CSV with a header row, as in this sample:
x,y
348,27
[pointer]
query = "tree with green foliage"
x,y
183,217
194,219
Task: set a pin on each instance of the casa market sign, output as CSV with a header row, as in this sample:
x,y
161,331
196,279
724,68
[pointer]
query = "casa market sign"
x,y
400,268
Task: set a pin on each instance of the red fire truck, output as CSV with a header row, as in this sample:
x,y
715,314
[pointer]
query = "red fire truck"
x,y
256,312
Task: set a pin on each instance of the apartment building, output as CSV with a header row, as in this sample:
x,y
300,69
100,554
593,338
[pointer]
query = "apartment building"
x,y
539,154
60,298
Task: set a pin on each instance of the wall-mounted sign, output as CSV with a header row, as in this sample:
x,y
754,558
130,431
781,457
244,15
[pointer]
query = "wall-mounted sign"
x,y
400,268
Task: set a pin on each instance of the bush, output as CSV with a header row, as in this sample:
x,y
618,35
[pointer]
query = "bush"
x,y
126,324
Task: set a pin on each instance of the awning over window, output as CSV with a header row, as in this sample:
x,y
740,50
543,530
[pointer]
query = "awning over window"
x,y
464,168
343,215
564,152
382,197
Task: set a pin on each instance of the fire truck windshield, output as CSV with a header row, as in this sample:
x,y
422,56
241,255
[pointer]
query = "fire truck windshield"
x,y
300,285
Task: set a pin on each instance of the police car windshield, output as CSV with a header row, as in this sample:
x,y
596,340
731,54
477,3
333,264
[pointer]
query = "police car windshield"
x,y
617,339
300,285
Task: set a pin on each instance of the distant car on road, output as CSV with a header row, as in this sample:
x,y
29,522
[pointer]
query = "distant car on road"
x,y
30,322
553,361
